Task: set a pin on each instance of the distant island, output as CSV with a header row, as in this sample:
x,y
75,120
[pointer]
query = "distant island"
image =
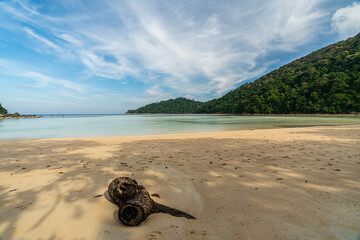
x,y
178,105
5,115
325,81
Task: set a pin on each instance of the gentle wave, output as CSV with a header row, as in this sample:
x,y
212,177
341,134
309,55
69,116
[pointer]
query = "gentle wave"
x,y
82,125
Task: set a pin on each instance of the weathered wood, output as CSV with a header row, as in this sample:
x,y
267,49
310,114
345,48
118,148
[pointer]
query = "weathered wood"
x,y
160,208
135,203
136,209
132,215
122,189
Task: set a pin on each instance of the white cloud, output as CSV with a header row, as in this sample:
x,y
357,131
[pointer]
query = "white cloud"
x,y
43,80
191,48
155,93
346,21
39,79
41,39
98,65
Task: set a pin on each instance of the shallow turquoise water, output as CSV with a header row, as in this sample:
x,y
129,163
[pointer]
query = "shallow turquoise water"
x,y
134,125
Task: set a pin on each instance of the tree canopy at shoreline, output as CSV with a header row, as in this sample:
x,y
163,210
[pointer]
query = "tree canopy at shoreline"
x,y
178,105
3,110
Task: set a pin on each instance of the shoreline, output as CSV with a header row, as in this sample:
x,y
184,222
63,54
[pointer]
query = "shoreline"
x,y
17,116
190,134
257,114
288,183
213,114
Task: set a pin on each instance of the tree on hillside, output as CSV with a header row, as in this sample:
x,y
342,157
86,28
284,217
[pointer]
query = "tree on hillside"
x,y
3,110
325,81
178,105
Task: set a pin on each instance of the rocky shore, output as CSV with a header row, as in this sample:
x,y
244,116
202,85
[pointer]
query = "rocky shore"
x,y
17,115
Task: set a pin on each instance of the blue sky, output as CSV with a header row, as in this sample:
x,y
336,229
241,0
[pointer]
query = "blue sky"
x,y
62,56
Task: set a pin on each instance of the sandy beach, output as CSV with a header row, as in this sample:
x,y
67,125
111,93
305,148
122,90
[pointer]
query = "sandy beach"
x,y
294,183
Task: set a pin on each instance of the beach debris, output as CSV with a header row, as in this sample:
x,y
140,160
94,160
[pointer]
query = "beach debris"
x,y
279,178
55,168
97,196
21,207
155,195
13,190
135,204
338,170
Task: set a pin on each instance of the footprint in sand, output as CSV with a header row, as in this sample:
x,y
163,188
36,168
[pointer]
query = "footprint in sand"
x,y
22,207
198,232
16,230
154,234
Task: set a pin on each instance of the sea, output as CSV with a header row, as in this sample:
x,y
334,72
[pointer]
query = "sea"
x,y
96,125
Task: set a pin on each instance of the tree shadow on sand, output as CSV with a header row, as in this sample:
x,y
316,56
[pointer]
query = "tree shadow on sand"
x,y
238,188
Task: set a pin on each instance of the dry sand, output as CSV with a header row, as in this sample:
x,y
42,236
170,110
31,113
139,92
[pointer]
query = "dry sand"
x,y
296,183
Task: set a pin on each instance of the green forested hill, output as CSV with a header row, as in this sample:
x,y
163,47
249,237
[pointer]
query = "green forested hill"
x,y
3,110
178,105
325,81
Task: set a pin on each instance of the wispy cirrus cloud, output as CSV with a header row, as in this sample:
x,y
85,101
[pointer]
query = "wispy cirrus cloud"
x,y
221,44
43,80
43,40
37,79
165,49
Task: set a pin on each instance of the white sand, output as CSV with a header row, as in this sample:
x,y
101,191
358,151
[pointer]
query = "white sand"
x,y
298,183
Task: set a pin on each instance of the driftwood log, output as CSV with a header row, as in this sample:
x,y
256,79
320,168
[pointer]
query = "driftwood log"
x,y
135,203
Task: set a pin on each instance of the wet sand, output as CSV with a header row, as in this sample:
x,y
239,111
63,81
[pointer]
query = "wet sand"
x,y
294,183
